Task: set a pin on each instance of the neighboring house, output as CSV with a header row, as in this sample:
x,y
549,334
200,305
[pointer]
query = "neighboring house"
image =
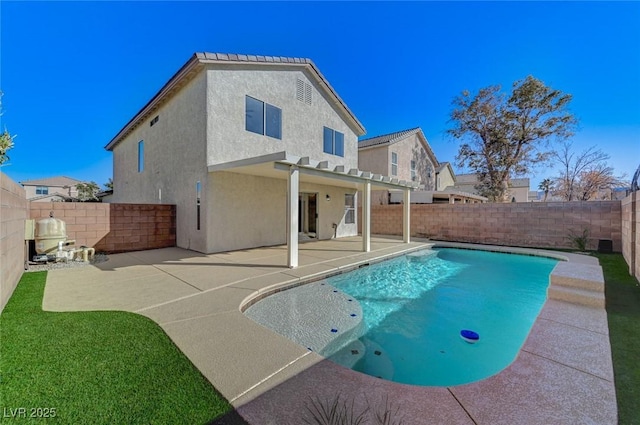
x,y
58,188
407,155
252,150
518,188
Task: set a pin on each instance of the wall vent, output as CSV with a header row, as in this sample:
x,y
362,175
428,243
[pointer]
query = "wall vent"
x,y
153,121
300,90
303,91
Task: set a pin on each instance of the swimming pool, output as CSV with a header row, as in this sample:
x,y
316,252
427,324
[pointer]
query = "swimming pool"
x,y
415,306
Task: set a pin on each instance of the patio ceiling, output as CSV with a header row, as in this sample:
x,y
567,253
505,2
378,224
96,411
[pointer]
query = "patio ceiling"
x,y
311,171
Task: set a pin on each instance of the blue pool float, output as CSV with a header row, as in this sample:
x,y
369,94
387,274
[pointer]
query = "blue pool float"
x,y
470,336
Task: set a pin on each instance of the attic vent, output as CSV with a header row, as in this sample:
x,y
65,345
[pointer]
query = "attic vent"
x,y
300,90
153,121
303,91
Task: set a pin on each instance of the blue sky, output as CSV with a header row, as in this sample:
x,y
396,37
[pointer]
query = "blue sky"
x,y
73,73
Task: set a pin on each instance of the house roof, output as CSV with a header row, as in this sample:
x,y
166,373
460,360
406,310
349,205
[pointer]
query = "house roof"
x,y
392,138
53,196
59,181
472,179
387,139
198,61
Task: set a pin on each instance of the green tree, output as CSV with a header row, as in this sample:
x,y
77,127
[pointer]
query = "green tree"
x,y
87,191
546,185
508,136
6,140
109,185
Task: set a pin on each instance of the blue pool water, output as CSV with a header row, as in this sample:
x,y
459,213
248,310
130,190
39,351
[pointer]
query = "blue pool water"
x,y
414,308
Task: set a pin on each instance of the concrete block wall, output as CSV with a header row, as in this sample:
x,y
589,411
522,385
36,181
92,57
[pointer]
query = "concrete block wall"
x,y
539,224
631,232
113,227
13,212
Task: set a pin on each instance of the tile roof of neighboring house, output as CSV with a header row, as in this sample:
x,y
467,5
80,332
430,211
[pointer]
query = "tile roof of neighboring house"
x,y
472,178
519,182
390,138
442,166
199,59
53,197
59,181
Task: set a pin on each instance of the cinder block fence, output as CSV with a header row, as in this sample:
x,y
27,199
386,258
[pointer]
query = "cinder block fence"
x,y
113,227
540,224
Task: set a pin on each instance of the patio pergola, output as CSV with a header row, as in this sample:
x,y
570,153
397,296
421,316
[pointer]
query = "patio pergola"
x,y
297,169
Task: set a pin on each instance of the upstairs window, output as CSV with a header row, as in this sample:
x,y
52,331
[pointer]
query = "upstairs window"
x,y
42,190
333,142
140,156
349,208
394,164
413,171
263,118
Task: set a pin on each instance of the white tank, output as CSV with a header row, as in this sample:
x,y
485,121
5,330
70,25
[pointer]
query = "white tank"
x,y
49,231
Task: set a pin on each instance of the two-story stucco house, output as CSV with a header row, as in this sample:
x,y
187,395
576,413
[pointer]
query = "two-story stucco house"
x,y
253,150
407,155
59,188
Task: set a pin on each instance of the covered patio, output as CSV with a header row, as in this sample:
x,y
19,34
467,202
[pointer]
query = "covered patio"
x,y
296,170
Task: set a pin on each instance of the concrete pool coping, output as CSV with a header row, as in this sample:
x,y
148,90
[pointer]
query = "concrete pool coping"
x,y
562,375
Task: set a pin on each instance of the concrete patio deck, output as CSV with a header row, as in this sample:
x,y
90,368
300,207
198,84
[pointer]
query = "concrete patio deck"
x,y
563,374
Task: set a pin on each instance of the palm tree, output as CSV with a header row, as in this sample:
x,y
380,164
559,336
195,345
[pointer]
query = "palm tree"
x,y
546,185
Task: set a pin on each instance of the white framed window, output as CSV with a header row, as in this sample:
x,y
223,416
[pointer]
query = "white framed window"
x,y
394,164
141,156
42,190
349,208
413,171
332,141
263,118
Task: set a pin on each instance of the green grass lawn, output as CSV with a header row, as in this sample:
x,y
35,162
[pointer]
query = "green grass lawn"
x,y
95,367
623,313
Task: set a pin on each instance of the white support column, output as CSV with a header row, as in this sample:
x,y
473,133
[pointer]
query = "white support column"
x,y
366,216
293,185
406,217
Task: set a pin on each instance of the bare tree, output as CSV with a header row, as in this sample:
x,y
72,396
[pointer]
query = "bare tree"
x,y
508,136
583,175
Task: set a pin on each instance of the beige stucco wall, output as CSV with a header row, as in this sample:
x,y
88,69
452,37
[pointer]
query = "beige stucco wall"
x,y
13,212
302,124
249,211
174,160
631,232
520,193
444,179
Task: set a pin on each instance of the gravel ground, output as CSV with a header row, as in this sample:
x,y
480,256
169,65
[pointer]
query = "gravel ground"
x,y
52,265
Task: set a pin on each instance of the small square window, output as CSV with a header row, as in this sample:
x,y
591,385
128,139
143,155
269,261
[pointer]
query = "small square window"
x,y
42,190
263,118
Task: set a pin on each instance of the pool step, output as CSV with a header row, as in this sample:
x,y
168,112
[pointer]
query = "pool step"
x,y
577,283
